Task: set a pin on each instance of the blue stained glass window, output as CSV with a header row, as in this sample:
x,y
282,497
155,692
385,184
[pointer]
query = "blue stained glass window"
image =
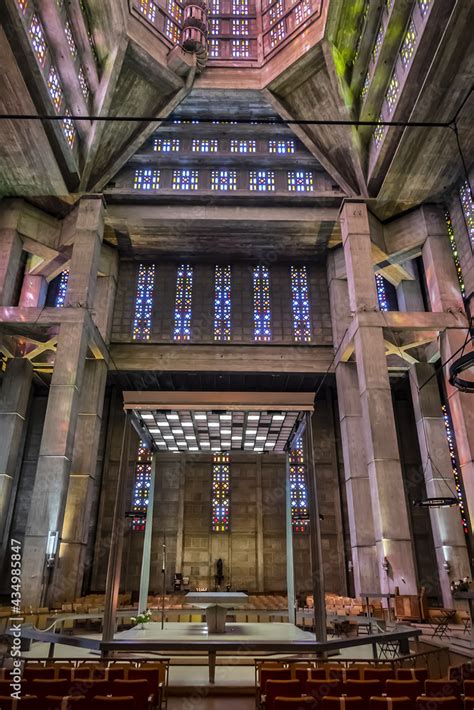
x,y
223,180
262,180
381,293
220,492
300,181
222,303
182,311
141,487
62,289
300,304
261,304
146,179
144,302
185,179
465,195
298,489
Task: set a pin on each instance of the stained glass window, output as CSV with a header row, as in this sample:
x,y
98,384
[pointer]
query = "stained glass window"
x,y
214,26
379,131
454,249
365,87
166,145
455,468
23,5
171,31
204,145
240,48
262,180
69,129
277,33
378,42
175,10
55,88
381,293
300,304
146,179
465,195
408,45
141,329
240,7
213,48
148,8
391,95
37,38
214,7
62,289
83,82
182,311
222,303
223,179
70,39
302,11
424,6
261,304
141,487
239,146
185,179
282,147
300,181
298,489
240,27
220,492
276,11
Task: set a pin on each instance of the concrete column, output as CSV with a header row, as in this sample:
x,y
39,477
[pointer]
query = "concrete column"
x,y
69,572
86,252
409,294
180,525
33,291
259,502
389,505
146,554
449,538
11,248
290,567
106,288
14,397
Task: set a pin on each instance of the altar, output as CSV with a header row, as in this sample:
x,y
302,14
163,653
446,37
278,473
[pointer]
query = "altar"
x,y
216,605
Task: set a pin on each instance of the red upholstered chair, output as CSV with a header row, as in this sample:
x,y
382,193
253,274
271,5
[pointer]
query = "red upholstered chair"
x,y
101,702
294,704
404,688
274,673
29,702
318,689
280,689
70,673
38,671
338,673
47,686
468,671
468,702
443,688
110,674
91,687
344,704
469,688
137,688
5,688
152,677
451,703
363,688
412,674
382,674
68,702
385,703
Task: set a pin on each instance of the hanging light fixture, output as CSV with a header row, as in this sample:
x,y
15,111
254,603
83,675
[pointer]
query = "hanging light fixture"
x,y
463,363
439,502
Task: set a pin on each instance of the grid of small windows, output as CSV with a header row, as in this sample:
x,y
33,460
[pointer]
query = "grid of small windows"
x,y
379,131
213,48
240,7
381,293
185,179
214,26
223,180
55,88
378,42
277,33
171,31
455,468
182,311
70,39
204,145
222,303
454,249
243,146
302,11
83,82
261,304
240,48
391,94
175,10
465,195
365,86
262,180
276,11
141,487
408,45
146,179
214,7
300,304
148,9
298,489
220,492
424,6
300,181
22,5
141,329
37,39
62,289
69,129
240,27
282,147
166,145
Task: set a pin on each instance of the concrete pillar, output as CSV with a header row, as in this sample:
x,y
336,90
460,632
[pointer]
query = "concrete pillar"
x,y
449,538
88,232
409,294
180,522
11,248
14,397
259,503
106,288
146,554
389,505
290,567
33,291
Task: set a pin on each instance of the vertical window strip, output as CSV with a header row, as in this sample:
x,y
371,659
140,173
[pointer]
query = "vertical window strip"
x,y
37,39
142,320
69,129
381,293
298,489
454,249
454,463
22,5
222,303
148,9
62,289
407,49
300,304
220,492
261,304
465,195
141,487
182,311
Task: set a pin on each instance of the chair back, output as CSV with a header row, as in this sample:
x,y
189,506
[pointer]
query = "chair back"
x,y
276,673
102,702
294,703
468,702
386,703
344,704
151,675
94,686
469,688
363,688
319,689
382,674
412,674
404,688
442,688
137,688
450,703
67,702
48,686
9,703
343,674
282,689
37,671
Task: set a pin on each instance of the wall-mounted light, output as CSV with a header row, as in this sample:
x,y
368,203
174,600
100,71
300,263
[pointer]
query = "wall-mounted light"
x,y
51,547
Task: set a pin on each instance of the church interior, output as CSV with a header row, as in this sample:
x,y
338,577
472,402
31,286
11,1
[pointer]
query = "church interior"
x,y
236,354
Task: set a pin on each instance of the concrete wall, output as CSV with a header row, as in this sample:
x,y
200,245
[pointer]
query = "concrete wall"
x,y
203,303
